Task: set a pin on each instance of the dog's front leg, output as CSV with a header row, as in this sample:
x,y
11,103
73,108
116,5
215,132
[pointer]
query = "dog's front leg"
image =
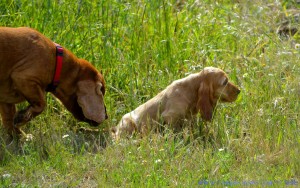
x,y
35,96
24,116
7,112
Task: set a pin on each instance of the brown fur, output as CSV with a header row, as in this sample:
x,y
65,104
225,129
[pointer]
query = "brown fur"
x,y
27,65
182,99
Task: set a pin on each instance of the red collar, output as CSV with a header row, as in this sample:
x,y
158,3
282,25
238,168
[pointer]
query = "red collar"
x,y
59,62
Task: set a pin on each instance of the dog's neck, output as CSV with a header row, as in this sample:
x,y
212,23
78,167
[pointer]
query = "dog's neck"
x,y
196,80
58,66
70,69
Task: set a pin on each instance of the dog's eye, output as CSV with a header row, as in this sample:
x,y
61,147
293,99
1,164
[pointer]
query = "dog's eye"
x,y
225,82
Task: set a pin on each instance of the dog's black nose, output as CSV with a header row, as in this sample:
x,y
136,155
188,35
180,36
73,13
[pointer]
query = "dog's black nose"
x,y
238,91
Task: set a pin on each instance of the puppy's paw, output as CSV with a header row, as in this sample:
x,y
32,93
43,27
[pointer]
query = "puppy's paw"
x,y
114,134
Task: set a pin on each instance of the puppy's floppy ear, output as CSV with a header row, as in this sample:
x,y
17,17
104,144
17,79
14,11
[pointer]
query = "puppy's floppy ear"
x,y
90,99
204,105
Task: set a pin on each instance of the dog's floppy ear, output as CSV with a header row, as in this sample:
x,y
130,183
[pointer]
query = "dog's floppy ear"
x,y
204,105
90,99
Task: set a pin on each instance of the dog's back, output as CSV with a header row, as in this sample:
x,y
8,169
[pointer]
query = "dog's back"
x,y
19,45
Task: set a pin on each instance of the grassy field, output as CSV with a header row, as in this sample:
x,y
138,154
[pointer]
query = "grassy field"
x,y
141,47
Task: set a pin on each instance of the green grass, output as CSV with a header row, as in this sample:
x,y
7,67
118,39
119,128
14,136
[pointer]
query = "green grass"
x,y
141,47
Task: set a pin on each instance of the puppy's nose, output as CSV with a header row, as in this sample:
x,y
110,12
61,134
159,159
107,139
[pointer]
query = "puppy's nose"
x,y
238,91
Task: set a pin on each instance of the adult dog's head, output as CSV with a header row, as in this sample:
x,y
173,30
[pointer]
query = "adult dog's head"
x,y
84,95
214,87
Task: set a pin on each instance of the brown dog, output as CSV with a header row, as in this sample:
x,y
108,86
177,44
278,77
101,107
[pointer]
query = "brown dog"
x,y
195,93
27,66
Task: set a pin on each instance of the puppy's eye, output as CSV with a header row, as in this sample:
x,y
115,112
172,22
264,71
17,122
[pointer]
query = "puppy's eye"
x,y
225,82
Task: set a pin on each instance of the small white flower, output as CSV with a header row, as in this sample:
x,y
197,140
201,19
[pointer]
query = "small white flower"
x,y
277,101
65,136
260,112
157,161
246,75
29,137
6,176
297,46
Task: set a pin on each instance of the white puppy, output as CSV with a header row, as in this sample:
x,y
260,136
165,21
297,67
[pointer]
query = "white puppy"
x,y
185,97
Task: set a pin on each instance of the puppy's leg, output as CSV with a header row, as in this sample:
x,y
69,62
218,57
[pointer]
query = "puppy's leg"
x,y
35,96
125,127
173,120
174,112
